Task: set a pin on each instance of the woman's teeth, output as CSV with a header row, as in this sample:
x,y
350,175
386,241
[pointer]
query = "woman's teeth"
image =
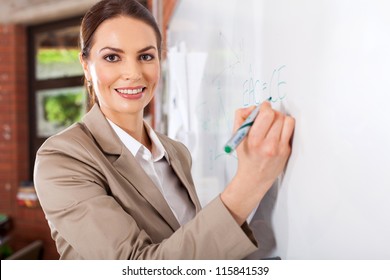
x,y
130,91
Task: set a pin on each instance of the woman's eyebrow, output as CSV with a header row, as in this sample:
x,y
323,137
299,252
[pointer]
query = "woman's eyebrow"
x,y
147,48
112,49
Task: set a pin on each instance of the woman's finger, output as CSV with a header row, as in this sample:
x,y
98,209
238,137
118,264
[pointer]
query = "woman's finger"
x,y
276,128
287,131
263,122
241,115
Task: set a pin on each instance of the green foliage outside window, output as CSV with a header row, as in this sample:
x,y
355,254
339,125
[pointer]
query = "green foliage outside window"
x,y
64,109
48,56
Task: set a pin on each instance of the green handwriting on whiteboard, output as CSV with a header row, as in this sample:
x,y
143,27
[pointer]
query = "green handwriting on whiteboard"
x,y
255,90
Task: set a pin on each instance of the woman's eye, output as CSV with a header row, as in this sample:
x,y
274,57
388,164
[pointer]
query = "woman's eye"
x,y
146,57
111,58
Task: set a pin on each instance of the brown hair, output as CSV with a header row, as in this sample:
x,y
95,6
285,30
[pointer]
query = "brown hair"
x,y
108,9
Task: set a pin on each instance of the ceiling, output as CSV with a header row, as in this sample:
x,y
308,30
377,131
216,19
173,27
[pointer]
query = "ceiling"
x,y
37,11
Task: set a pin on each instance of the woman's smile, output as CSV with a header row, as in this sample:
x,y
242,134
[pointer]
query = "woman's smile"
x,y
131,92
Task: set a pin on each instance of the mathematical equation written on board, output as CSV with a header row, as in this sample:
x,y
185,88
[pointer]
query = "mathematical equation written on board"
x,y
255,91
249,90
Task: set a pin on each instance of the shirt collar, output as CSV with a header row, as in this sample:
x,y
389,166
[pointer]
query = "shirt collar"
x,y
158,150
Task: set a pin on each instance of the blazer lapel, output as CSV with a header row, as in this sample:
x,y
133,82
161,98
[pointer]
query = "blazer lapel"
x,y
134,173
180,172
126,164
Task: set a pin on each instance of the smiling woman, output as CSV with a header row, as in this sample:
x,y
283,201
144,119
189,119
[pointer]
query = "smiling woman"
x,y
113,188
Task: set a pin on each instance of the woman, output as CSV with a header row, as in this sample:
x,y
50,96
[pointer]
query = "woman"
x,y
112,188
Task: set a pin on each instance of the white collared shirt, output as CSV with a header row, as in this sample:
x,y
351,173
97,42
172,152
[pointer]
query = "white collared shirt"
x,y
157,165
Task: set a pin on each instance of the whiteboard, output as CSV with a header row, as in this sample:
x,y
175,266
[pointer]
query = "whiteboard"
x,y
326,63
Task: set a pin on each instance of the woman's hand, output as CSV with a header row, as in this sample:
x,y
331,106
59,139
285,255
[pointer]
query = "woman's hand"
x,y
262,155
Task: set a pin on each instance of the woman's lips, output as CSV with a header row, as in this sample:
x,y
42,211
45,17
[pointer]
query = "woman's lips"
x,y
130,93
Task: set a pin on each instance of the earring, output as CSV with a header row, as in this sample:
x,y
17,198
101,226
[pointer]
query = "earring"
x,y
89,83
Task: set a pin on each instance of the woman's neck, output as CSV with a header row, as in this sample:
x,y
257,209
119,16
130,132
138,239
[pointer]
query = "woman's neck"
x,y
134,126
138,132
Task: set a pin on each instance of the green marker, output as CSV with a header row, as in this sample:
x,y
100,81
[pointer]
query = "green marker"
x,y
237,138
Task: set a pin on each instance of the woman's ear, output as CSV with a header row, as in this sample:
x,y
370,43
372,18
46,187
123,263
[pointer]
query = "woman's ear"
x,y
84,64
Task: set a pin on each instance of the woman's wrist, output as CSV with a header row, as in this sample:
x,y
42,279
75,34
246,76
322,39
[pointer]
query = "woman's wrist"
x,y
240,198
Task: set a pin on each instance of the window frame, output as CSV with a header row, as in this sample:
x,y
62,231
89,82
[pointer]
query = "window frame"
x,y
36,85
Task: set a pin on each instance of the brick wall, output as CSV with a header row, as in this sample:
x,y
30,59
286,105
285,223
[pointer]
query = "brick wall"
x,y
29,224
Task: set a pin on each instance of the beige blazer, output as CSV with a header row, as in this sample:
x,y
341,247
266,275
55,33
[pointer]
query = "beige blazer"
x,y
100,204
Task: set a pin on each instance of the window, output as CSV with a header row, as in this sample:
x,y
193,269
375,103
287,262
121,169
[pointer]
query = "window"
x,y
57,53
57,95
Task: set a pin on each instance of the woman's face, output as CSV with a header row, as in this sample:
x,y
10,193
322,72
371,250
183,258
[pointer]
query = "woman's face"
x,y
123,66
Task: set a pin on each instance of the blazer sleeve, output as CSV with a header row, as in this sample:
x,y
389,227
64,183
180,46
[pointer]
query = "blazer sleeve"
x,y
88,223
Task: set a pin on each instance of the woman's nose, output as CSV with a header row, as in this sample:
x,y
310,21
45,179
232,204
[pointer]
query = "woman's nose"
x,y
132,71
